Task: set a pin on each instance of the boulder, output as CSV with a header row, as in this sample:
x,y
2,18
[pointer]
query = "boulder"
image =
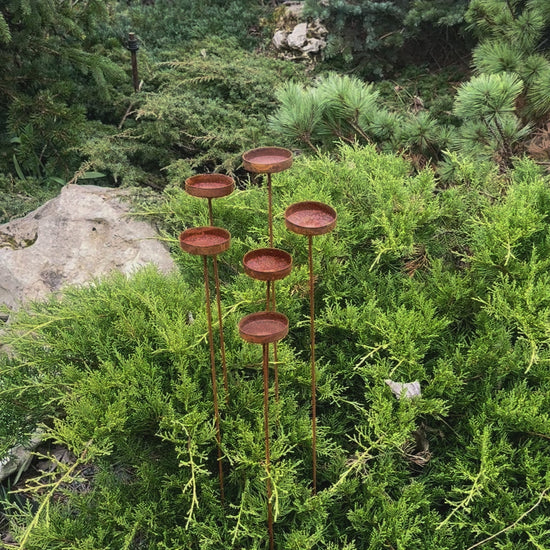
x,y
304,41
83,233
279,40
297,38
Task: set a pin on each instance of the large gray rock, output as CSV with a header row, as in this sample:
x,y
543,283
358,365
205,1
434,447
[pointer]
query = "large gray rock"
x,y
297,38
83,233
279,40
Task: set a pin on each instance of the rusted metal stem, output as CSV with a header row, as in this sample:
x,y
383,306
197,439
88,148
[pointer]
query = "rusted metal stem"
x,y
270,209
275,358
276,372
220,325
270,305
133,46
266,430
210,214
214,383
313,381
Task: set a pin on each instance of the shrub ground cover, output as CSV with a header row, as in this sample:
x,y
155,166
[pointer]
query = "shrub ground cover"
x,y
447,286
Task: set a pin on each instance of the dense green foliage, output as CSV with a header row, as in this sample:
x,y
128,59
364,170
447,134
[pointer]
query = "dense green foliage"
x,y
68,111
491,117
345,108
56,73
62,72
202,106
165,23
435,276
376,37
449,287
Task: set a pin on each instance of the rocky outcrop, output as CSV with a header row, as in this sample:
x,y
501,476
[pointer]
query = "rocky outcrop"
x,y
83,233
295,39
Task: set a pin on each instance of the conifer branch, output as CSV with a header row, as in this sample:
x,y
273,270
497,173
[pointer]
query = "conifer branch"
x,y
512,525
192,481
355,464
239,515
46,502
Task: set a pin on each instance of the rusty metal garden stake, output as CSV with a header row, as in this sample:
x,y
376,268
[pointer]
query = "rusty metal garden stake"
x,y
313,375
212,186
311,218
213,373
209,241
269,160
270,209
133,46
264,328
220,325
267,454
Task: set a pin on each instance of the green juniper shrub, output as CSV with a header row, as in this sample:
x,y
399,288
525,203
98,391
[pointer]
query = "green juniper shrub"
x,y
163,23
203,104
447,286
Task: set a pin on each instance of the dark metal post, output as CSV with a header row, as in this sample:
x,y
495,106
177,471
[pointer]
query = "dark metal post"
x,y
133,46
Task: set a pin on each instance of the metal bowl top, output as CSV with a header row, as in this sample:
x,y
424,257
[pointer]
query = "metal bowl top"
x,y
210,186
205,241
263,327
310,218
267,160
267,264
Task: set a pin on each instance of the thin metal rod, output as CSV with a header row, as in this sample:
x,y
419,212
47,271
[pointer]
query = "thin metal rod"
x,y
271,306
270,210
220,324
210,214
313,382
276,371
214,384
275,358
267,460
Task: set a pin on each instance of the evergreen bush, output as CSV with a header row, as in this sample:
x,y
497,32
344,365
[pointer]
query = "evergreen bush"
x,y
201,107
512,54
163,24
447,286
343,108
375,37
55,72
